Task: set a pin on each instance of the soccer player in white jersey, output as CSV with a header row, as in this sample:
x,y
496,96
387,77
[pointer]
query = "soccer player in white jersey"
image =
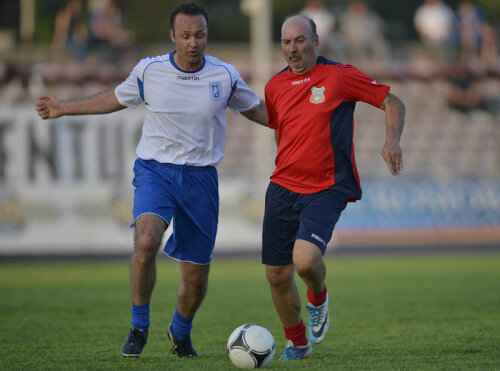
x,y
186,94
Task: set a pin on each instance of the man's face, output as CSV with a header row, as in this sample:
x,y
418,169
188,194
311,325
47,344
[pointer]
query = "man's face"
x,y
190,37
298,44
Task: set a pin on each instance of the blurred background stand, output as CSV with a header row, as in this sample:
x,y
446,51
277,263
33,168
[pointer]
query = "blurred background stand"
x,y
65,184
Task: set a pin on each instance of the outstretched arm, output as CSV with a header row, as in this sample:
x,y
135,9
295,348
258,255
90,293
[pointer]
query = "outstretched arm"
x,y
257,114
50,107
394,120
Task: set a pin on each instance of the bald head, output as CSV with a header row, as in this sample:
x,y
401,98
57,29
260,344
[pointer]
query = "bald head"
x,y
299,43
302,21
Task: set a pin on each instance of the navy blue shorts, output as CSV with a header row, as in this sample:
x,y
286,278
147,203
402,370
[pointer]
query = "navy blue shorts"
x,y
290,216
187,194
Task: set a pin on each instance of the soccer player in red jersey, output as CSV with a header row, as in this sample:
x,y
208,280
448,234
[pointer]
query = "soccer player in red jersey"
x,y
310,105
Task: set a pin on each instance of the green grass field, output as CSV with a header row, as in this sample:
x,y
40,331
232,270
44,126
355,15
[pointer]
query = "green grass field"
x,y
389,313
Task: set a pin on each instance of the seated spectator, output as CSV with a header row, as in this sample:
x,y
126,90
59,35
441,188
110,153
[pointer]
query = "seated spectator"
x,y
325,23
70,30
477,39
489,52
107,34
435,24
363,32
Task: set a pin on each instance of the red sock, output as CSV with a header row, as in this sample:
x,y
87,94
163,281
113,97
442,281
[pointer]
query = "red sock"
x,y
316,299
297,334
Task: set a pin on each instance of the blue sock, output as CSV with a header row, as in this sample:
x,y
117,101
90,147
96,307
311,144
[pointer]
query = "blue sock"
x,y
181,326
140,316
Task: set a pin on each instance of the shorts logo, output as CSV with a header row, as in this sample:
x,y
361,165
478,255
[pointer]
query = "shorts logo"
x,y
316,237
215,90
317,95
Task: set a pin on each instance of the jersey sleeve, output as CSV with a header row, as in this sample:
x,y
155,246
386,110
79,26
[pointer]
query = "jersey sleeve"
x,y
357,86
242,97
130,93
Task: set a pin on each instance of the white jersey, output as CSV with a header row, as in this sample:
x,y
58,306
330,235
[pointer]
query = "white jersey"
x,y
185,120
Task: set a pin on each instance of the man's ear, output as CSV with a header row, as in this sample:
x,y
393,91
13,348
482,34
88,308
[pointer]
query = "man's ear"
x,y
172,35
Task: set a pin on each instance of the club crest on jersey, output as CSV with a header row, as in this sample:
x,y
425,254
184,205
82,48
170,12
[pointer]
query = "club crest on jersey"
x,y
317,95
215,90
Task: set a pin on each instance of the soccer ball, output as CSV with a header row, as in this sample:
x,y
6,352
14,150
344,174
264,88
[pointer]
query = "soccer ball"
x,y
251,346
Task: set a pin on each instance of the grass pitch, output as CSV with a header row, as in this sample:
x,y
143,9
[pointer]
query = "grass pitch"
x,y
388,313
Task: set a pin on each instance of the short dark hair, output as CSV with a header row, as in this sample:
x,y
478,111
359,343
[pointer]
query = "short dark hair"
x,y
312,24
188,8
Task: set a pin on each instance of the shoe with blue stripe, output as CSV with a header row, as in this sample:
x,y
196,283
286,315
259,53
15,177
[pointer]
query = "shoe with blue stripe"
x,y
294,353
319,322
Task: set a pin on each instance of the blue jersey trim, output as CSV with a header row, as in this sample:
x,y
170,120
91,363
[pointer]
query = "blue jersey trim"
x,y
320,60
233,88
141,83
171,58
341,136
141,88
323,60
283,70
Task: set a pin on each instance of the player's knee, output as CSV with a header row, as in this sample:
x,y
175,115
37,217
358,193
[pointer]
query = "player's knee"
x,y
306,265
307,257
197,279
196,285
279,275
148,233
303,268
146,245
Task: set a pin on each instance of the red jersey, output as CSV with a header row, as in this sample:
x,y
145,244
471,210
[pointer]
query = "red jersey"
x,y
313,116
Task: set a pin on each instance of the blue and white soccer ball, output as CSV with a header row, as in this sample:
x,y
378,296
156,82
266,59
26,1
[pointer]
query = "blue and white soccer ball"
x,y
251,346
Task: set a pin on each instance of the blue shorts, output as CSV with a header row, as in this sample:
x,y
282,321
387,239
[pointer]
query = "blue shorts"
x,y
290,216
189,195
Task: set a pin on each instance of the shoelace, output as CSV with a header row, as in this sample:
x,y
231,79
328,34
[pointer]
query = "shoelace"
x,y
316,314
173,350
181,346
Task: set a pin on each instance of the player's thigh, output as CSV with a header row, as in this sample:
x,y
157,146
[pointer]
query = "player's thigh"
x,y
153,193
319,217
199,202
281,221
306,255
196,217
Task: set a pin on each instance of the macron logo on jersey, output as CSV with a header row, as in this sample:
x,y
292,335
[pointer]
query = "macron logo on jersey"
x,y
190,78
301,81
